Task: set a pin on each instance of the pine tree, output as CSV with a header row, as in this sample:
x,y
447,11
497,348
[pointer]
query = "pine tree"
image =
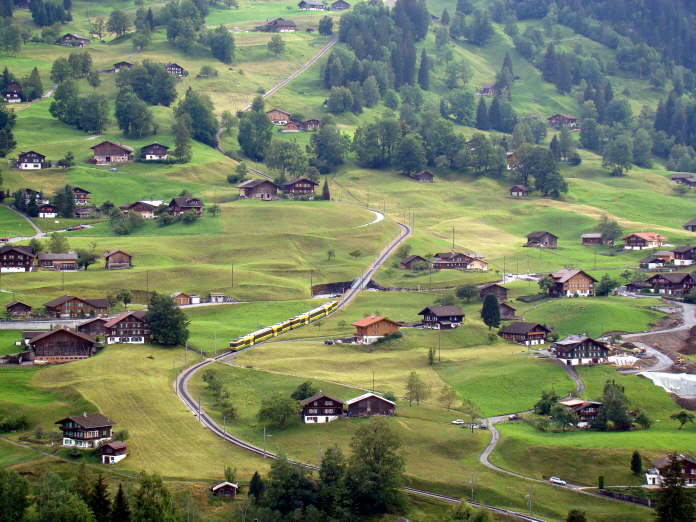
x,y
257,486
482,121
548,64
33,87
490,312
636,463
445,17
424,71
495,117
555,147
120,511
99,501
182,139
325,194
563,76
507,64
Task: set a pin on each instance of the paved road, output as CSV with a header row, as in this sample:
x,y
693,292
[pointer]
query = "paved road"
x,y
39,325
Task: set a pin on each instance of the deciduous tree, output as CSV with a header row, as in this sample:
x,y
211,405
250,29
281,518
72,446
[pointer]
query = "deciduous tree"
x,y
168,323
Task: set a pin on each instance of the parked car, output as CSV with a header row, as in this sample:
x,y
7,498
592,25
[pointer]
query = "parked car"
x,y
4,239
458,422
76,227
557,481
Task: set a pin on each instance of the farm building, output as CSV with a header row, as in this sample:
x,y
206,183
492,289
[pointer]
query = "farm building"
x,y
86,431
507,312
278,25
224,489
30,160
292,126
311,5
48,211
671,283
320,408
641,240
489,89
113,452
61,345
424,176
457,260
687,464
118,66
108,153
146,209
18,309
586,411
511,163
542,239
262,189
73,40
175,69
414,263
70,306
570,283
81,196
684,255
519,191
311,125
16,258
178,206
340,5
117,260
12,93
529,334
58,262
374,327
442,317
652,262
683,178
28,195
576,350
493,288
182,299
154,151
563,120
592,238
369,404
128,327
300,187
94,327
279,116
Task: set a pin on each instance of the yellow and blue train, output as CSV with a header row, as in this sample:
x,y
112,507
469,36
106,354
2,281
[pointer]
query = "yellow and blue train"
x,y
269,332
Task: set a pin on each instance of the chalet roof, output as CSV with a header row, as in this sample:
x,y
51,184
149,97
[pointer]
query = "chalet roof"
x,y
672,277
138,314
684,249
123,63
312,2
491,285
520,327
652,259
540,234
116,445
300,180
80,190
112,252
274,109
442,311
574,339
224,484
27,152
117,145
73,35
681,175
79,335
565,116
69,256
89,420
411,259
505,305
317,396
93,320
281,22
592,235
664,461
372,319
15,303
173,65
563,275
519,188
153,145
367,396
647,236
690,223
97,303
251,183
340,2
184,201
26,250
450,255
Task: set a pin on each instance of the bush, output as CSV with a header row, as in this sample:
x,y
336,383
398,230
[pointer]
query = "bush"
x,y
18,423
390,396
388,338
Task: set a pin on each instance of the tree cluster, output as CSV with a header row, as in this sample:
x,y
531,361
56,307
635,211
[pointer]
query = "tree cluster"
x,y
221,396
48,13
89,113
200,111
150,81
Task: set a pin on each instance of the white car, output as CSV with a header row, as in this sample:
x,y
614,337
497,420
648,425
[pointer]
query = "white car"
x,y
557,481
458,422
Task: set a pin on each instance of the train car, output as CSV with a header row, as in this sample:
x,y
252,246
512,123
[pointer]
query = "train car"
x,y
263,335
240,343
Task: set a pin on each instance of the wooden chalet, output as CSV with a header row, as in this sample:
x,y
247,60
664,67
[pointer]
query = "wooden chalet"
x,y
511,163
113,452
687,463
459,261
16,258
690,225
542,239
86,431
70,306
493,288
31,160
424,176
128,328
369,404
519,191
340,5
12,93
146,209
684,255
58,262
642,240
575,350
279,116
507,312
94,327
292,126
48,211
652,262
414,263
85,212
28,195
61,345
311,5
118,66
175,69
442,317
300,187
18,309
181,299
683,178
563,120
224,490
571,283
529,334
117,260
592,238
108,153
73,40
586,411
263,189
320,408
81,196
154,151
489,89
311,125
278,25
178,206
671,283
373,327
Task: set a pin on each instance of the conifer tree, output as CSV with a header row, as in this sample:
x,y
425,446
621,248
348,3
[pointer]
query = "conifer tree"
x,y
325,194
636,463
424,71
494,114
445,17
257,487
99,501
490,312
120,511
482,121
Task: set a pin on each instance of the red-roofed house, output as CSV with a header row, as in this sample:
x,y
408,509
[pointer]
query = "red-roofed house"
x,y
373,327
128,327
641,240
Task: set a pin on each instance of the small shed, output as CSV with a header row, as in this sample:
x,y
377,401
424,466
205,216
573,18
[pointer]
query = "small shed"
x,y
18,309
113,452
424,176
117,259
369,404
224,489
519,191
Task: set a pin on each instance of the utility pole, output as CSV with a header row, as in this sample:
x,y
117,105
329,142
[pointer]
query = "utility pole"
x,y
452,237
232,274
147,285
199,410
311,283
373,380
439,346
62,274
319,454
